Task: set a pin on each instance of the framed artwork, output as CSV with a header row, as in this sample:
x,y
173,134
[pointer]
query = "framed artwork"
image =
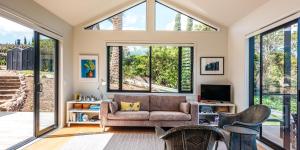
x,y
88,68
211,65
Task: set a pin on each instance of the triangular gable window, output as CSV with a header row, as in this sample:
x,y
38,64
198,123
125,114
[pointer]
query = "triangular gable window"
x,y
168,19
133,18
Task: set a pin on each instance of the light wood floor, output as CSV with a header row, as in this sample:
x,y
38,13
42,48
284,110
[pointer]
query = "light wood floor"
x,y
56,140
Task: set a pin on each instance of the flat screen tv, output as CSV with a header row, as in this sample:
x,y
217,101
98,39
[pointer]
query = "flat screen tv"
x,y
215,92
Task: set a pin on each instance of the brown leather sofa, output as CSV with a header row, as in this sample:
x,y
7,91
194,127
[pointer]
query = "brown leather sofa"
x,y
163,111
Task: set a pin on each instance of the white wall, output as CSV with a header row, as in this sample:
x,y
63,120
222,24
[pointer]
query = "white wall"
x,y
41,18
93,42
238,44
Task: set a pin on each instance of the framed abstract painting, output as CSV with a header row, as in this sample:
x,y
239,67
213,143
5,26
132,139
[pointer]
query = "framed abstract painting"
x,y
88,68
211,65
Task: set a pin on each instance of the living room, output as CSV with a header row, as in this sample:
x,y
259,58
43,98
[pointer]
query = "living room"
x,y
149,74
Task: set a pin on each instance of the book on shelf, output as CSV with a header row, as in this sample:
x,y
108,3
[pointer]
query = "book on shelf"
x,y
83,117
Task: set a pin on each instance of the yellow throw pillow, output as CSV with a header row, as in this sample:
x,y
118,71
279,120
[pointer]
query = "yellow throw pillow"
x,y
125,106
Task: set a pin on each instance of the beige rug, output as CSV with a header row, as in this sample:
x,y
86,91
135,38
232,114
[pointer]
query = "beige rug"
x,y
115,141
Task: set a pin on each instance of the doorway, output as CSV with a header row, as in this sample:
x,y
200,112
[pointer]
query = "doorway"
x,y
28,84
274,83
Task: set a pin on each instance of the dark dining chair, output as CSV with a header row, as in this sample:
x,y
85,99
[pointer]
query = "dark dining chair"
x,y
244,126
251,118
194,137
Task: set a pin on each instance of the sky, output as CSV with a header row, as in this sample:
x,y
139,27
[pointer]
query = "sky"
x,y
135,19
11,31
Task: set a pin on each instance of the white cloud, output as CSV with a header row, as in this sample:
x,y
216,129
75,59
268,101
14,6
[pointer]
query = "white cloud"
x,y
10,31
10,26
130,19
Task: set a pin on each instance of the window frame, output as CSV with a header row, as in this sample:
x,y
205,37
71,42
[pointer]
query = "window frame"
x,y
193,18
251,50
150,71
102,20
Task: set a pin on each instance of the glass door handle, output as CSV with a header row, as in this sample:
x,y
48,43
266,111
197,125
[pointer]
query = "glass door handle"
x,y
286,122
40,87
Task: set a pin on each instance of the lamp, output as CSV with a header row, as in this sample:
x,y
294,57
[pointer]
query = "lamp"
x,y
100,88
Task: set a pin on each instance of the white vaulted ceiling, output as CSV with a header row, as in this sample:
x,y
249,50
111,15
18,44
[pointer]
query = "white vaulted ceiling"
x,y
225,12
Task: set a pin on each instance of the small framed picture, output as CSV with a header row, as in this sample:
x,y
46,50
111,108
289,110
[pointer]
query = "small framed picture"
x,y
88,68
211,65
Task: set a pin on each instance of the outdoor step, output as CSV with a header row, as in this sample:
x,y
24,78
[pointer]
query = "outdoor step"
x,y
6,97
12,91
9,84
9,80
9,77
9,87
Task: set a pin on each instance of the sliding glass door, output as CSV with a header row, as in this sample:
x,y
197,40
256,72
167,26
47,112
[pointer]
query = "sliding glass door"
x,y
46,83
274,83
28,84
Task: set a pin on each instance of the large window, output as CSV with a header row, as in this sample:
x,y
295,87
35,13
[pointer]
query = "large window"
x,y
133,18
274,82
168,19
150,69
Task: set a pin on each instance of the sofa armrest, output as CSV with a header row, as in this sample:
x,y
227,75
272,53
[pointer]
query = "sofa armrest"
x,y
194,111
104,109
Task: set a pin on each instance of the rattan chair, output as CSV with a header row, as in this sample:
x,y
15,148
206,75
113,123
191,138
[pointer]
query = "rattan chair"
x,y
191,137
251,118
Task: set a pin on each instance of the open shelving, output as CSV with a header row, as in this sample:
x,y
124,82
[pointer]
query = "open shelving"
x,y
210,116
71,110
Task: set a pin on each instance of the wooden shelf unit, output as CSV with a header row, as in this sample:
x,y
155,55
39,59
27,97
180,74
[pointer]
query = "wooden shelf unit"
x,y
71,110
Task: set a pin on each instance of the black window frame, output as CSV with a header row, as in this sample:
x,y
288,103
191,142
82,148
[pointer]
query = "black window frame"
x,y
150,71
251,47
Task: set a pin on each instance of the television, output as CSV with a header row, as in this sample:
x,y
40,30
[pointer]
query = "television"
x,y
216,92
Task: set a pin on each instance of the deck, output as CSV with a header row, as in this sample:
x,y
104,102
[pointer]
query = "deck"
x,y
18,126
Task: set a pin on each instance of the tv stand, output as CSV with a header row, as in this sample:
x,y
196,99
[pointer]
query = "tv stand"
x,y
215,106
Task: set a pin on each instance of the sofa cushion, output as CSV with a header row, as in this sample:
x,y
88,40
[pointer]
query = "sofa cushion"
x,y
125,106
113,106
184,107
129,115
169,116
165,103
144,100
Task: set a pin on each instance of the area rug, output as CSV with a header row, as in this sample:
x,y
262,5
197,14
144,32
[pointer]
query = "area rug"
x,y
115,141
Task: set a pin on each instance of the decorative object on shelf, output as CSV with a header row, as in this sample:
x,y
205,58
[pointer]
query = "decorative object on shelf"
x,y
206,109
85,106
77,106
211,65
85,118
199,98
222,109
88,68
94,107
76,96
87,98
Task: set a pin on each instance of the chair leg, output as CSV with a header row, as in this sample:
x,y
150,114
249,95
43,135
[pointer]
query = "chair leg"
x,y
217,145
